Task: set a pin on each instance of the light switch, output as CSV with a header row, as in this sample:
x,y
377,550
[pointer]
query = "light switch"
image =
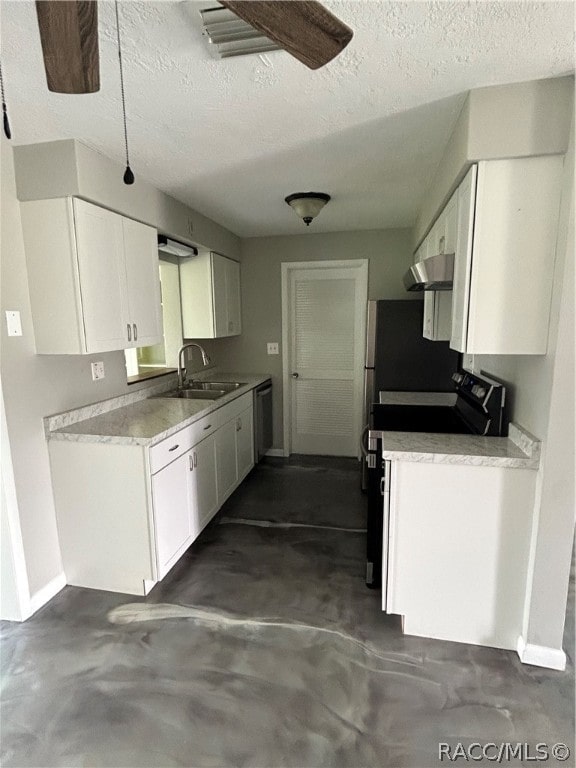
x,y
272,347
13,323
97,371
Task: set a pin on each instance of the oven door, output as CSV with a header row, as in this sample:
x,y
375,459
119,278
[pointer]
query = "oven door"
x,y
375,520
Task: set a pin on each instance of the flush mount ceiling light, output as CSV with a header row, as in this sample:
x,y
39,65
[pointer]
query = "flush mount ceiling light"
x,y
307,204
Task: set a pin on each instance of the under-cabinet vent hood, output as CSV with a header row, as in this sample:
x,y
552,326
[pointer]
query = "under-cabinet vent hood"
x,y
174,248
435,273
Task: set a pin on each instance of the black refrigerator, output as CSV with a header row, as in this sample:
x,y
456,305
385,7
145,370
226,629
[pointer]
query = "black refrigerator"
x,y
398,357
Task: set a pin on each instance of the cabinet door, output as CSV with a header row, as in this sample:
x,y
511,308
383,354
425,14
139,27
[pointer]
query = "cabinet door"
x,y
172,519
463,261
205,492
244,443
425,250
220,295
102,275
143,281
446,244
196,297
233,297
226,460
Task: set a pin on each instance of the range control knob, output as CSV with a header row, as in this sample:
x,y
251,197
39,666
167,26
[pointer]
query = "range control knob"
x,y
478,391
458,378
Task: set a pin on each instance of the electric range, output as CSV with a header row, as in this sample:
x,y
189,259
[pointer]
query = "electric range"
x,y
476,408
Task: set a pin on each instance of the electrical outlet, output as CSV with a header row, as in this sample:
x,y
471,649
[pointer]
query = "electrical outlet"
x,y
272,348
97,371
13,322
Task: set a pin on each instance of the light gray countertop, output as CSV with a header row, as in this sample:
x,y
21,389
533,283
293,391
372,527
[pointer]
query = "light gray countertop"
x,y
145,421
520,450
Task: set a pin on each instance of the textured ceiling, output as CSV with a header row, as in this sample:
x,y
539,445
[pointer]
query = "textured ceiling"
x,y
232,138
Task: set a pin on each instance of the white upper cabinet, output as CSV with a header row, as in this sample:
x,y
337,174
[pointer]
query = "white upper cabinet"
x,y
142,276
438,304
507,226
210,291
93,278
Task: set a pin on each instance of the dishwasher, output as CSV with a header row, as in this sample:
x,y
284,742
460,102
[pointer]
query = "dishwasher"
x,y
262,420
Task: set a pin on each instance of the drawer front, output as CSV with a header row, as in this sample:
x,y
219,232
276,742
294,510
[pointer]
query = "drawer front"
x,y
231,410
174,446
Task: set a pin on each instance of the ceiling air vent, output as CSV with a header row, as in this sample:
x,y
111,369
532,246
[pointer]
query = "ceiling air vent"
x,y
230,36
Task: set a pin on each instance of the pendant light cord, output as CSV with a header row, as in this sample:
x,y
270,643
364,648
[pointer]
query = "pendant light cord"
x,y
5,120
128,175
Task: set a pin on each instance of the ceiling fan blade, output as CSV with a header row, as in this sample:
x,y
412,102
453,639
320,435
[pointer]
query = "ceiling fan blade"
x,y
69,36
304,28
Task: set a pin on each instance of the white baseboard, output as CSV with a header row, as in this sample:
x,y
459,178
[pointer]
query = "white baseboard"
x,y
45,594
277,452
541,655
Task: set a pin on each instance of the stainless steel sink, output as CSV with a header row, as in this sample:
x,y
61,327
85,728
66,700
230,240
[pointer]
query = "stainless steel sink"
x,y
204,390
224,386
195,394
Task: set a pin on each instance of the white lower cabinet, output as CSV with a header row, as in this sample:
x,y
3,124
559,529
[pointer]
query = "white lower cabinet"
x,y
127,513
226,472
172,501
244,443
204,496
458,546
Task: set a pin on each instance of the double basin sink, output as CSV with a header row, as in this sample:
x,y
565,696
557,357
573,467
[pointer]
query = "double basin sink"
x,y
204,390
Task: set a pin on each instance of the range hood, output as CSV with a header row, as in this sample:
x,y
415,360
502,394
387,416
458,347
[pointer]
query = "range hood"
x,y
435,273
174,248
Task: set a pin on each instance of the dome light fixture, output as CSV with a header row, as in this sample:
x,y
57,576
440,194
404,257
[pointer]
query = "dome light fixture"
x,y
307,204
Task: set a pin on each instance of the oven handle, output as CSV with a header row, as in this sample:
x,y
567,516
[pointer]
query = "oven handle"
x,y
364,440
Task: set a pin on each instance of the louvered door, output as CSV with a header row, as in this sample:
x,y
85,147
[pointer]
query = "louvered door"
x,y
326,318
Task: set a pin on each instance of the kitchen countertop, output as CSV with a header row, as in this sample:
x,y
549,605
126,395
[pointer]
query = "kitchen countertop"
x,y
147,420
519,450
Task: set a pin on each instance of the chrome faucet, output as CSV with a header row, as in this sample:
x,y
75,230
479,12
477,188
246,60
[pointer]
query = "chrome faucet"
x,y
182,367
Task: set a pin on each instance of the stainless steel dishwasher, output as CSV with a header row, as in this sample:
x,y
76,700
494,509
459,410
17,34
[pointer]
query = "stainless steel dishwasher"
x,y
262,419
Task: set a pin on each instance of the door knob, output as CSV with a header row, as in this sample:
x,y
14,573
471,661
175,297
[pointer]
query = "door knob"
x,y
294,375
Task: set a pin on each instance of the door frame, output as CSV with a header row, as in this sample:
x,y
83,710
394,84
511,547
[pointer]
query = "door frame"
x,y
287,267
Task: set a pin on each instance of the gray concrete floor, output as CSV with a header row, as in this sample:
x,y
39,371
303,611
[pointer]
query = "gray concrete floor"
x,y
263,648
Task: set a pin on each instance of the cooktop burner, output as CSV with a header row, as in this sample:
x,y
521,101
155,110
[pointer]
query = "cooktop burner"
x,y
479,410
418,418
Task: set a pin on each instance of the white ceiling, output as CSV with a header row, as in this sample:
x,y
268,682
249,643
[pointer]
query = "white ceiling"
x,y
232,138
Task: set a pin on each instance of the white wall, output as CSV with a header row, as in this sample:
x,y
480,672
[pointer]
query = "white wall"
x,y
389,255
518,120
68,167
14,594
38,385
542,390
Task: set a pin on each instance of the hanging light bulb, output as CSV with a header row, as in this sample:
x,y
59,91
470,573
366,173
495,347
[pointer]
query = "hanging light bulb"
x,y
128,174
307,204
5,121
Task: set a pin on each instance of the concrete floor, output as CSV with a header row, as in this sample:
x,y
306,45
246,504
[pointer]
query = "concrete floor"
x,y
263,648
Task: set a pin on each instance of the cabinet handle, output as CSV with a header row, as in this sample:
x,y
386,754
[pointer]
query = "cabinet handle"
x,y
129,331
207,427
238,425
442,244
135,331
191,462
174,447
195,459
